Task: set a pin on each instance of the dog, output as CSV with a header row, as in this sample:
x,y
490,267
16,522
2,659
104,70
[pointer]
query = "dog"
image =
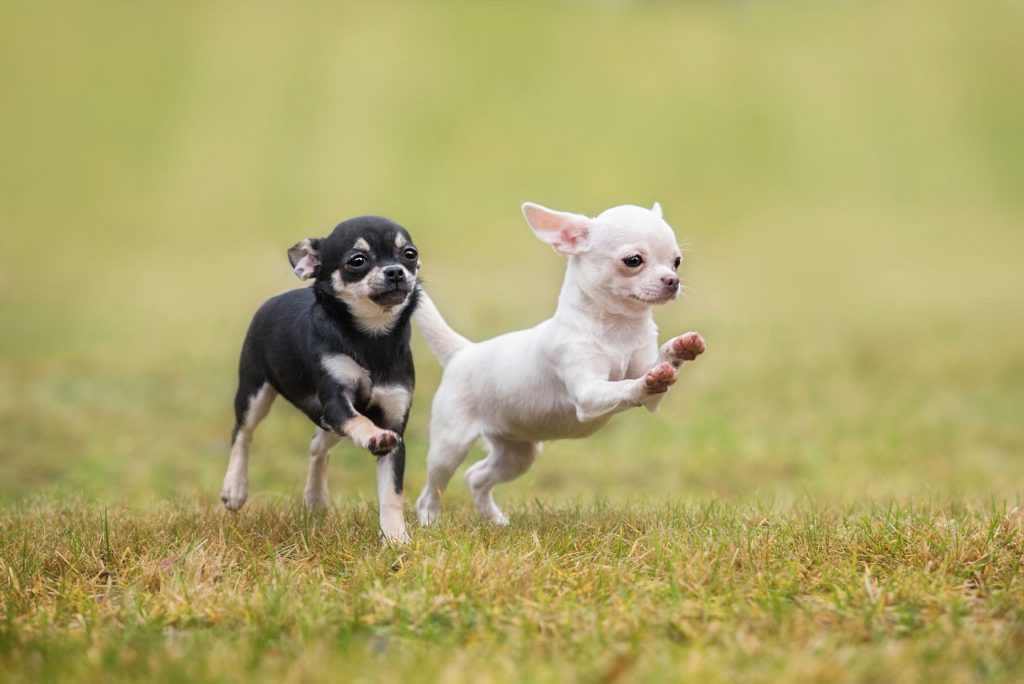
x,y
565,378
339,352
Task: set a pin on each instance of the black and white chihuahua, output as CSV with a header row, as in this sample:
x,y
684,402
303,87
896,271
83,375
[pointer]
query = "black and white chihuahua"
x,y
338,351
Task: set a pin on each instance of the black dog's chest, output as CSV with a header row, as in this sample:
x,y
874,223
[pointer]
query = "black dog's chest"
x,y
365,403
297,340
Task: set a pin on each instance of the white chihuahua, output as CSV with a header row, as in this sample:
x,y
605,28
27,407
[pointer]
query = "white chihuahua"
x,y
564,378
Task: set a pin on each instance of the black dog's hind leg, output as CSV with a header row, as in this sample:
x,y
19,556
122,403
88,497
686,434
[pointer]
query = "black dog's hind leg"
x,y
252,403
316,495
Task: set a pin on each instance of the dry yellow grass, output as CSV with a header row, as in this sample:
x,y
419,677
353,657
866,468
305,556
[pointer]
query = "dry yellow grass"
x,y
698,591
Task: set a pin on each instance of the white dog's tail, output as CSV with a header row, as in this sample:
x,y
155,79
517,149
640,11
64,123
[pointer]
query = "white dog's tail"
x,y
443,342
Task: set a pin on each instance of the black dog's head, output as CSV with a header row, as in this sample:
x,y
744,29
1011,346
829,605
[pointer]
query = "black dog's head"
x,y
370,263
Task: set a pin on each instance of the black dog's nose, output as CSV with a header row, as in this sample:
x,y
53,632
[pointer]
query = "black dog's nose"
x,y
394,274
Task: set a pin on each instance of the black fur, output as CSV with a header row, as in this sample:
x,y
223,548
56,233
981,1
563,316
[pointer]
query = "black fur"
x,y
292,332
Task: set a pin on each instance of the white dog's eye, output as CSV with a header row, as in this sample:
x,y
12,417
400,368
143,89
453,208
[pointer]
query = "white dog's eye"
x,y
679,260
633,261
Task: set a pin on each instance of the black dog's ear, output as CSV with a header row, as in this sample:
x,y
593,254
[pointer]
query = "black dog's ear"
x,y
305,258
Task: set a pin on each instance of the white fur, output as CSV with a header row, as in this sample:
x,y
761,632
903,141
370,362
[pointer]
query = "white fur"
x,y
316,495
345,370
392,505
236,480
598,355
361,244
393,400
443,342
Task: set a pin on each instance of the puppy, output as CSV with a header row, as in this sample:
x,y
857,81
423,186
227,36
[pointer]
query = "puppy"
x,y
339,352
565,378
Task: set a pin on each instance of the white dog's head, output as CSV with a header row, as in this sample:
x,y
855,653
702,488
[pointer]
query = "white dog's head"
x,y
626,258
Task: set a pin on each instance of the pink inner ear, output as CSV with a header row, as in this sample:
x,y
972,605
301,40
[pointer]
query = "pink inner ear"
x,y
306,266
564,231
572,235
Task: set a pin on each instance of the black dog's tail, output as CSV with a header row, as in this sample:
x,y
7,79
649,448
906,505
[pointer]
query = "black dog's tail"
x,y
443,342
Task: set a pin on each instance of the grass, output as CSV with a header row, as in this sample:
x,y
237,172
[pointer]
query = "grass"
x,y
830,493
683,591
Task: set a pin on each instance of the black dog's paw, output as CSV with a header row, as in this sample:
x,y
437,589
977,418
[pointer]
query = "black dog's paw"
x,y
234,493
384,442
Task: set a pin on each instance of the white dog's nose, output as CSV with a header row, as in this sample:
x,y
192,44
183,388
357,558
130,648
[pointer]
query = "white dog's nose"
x,y
672,282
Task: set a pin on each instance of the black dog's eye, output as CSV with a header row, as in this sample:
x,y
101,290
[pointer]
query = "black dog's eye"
x,y
679,260
633,261
410,254
357,261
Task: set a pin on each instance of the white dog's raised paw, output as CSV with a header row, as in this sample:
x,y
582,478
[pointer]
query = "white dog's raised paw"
x,y
687,347
660,378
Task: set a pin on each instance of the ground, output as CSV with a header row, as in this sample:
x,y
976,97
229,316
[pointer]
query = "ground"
x,y
684,591
830,493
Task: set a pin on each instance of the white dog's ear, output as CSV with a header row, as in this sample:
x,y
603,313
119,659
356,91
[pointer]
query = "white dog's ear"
x,y
656,209
305,258
567,233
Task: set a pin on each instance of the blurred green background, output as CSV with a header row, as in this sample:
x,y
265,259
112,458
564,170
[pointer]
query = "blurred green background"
x,y
847,177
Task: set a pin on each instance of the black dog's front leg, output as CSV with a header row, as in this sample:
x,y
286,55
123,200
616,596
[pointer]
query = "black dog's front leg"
x,y
390,407
341,417
390,475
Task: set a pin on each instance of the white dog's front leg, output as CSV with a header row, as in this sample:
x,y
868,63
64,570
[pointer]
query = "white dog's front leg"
x,y
595,398
676,351
652,402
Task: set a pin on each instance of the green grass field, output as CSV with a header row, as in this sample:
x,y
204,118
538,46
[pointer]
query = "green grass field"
x,y
830,494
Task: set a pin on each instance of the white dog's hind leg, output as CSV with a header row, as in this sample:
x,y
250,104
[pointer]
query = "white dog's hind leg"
x,y
446,453
236,480
316,480
506,461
